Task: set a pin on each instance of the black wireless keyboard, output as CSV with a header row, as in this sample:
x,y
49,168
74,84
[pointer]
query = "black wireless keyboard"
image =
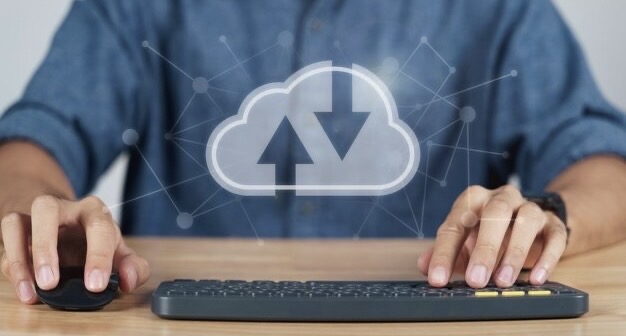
x,y
362,301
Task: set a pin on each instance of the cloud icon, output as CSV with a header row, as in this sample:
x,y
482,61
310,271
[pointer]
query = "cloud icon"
x,y
326,131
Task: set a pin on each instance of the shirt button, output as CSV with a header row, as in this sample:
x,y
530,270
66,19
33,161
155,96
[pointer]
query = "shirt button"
x,y
316,25
307,208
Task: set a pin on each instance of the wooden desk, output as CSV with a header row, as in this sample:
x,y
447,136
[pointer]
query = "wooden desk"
x,y
601,273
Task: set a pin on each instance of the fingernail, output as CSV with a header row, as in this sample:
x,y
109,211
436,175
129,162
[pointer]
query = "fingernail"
x,y
45,276
478,274
438,275
506,274
96,280
25,290
541,275
132,279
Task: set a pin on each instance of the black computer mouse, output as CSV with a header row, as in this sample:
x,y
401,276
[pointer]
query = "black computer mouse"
x,y
71,293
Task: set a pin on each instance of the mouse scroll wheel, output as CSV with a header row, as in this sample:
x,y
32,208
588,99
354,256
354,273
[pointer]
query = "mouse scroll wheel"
x,y
114,281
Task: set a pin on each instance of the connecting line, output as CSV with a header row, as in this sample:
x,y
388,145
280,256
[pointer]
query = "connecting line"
x,y
469,149
158,180
434,96
343,54
445,178
397,218
444,98
242,62
146,45
188,154
215,103
215,208
369,213
196,125
429,176
439,98
425,190
437,54
183,112
215,88
406,62
189,141
406,194
206,201
158,190
441,130
232,53
467,143
245,212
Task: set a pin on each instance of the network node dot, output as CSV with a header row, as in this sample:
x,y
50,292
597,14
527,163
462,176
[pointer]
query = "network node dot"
x,y
168,136
130,137
222,38
418,106
420,235
145,44
200,85
184,220
390,65
429,143
452,70
514,73
505,155
467,114
285,39
106,210
260,242
443,184
424,39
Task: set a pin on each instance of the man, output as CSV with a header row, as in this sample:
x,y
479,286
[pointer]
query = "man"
x,y
129,75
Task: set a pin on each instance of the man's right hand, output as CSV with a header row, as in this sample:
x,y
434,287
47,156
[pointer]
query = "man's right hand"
x,y
59,232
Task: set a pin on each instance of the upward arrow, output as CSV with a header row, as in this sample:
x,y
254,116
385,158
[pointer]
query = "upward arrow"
x,y
285,151
342,125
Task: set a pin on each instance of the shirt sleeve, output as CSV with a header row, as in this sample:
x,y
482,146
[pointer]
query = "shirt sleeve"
x,y
552,114
82,97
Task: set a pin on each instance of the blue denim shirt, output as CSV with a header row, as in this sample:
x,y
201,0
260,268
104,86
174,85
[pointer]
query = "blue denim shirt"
x,y
104,74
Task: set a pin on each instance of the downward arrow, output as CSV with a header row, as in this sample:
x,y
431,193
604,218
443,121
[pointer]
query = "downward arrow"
x,y
285,141
342,125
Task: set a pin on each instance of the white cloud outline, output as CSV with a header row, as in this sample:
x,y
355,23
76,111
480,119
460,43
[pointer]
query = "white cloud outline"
x,y
241,118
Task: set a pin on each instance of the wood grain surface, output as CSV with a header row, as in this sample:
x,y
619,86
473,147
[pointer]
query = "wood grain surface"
x,y
601,273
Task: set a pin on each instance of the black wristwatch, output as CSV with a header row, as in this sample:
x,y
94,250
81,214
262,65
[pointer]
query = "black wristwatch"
x,y
551,202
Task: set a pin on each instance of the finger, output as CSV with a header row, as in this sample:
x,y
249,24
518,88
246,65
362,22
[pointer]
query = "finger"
x,y
459,266
529,221
16,265
424,260
452,234
555,239
47,213
103,238
134,270
494,222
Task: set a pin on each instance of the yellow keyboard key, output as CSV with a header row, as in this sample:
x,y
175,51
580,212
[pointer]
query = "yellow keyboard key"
x,y
486,293
539,292
513,293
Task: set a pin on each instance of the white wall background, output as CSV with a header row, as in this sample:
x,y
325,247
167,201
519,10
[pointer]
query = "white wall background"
x,y
26,27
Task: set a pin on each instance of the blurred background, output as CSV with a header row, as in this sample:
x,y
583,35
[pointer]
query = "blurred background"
x,y
26,27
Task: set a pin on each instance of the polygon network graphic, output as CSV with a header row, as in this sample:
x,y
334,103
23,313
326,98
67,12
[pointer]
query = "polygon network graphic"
x,y
326,130
329,129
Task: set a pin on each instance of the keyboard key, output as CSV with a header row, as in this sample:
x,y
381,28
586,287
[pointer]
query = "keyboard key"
x,y
512,292
539,292
486,293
